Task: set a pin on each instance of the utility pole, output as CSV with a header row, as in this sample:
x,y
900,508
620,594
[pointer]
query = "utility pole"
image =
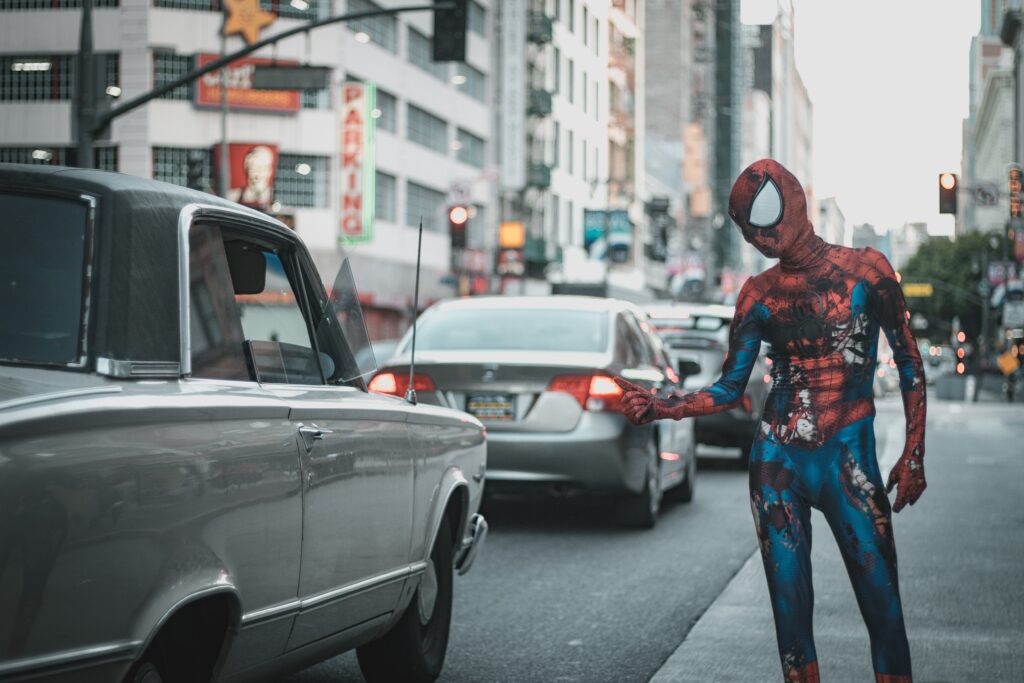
x,y
85,89
223,172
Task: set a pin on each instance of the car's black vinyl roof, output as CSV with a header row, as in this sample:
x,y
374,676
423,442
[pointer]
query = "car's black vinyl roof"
x,y
135,280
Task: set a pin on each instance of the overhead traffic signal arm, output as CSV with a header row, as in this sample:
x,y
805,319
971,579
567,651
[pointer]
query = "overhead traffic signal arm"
x,y
91,121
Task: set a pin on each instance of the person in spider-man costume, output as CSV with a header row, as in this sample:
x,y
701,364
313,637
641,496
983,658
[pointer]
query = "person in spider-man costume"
x,y
820,309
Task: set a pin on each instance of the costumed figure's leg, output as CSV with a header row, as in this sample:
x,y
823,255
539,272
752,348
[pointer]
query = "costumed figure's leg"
x,y
856,506
783,522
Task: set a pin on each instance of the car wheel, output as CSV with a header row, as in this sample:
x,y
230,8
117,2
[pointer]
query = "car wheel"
x,y
144,672
684,492
641,510
413,650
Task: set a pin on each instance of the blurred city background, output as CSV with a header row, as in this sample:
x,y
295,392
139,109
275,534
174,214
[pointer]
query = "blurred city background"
x,y
571,146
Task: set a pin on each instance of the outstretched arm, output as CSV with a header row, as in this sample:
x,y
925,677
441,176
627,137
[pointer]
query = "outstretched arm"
x,y
744,344
894,319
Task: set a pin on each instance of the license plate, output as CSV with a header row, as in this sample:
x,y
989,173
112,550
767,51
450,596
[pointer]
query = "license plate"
x,y
491,406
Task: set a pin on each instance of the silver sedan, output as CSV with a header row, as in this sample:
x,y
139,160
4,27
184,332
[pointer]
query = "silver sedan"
x,y
537,372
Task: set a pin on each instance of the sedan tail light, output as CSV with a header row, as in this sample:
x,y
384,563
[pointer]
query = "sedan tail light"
x,y
396,384
593,392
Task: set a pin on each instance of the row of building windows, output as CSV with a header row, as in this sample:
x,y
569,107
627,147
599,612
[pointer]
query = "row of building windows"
x,y
591,29
49,77
421,202
589,91
105,157
296,9
293,9
589,172
51,4
300,180
383,30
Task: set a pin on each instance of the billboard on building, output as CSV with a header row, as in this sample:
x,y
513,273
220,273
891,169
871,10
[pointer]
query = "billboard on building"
x,y
512,111
358,100
241,95
251,167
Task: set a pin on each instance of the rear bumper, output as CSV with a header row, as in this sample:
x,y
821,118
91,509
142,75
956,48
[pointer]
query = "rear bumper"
x,y
472,543
603,453
733,427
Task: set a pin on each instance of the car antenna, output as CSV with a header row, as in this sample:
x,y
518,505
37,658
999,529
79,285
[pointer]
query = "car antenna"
x,y
410,392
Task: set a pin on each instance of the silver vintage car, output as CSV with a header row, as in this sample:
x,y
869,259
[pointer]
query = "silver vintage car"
x,y
195,483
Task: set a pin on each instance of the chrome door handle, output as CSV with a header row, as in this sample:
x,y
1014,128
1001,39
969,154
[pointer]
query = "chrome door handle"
x,y
311,434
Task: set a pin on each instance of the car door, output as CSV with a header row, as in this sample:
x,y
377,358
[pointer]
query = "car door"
x,y
247,456
357,471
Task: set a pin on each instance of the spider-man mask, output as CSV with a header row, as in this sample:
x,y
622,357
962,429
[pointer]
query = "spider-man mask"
x,y
768,204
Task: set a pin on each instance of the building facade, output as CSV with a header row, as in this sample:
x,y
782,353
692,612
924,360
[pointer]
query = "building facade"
x,y
433,141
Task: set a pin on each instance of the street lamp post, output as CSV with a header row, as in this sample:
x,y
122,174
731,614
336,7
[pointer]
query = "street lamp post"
x,y
85,88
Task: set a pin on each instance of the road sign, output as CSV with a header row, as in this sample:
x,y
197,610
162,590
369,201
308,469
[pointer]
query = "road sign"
x,y
985,194
920,290
1014,178
290,77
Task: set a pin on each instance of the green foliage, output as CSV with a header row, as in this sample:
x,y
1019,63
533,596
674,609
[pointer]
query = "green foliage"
x,y
955,270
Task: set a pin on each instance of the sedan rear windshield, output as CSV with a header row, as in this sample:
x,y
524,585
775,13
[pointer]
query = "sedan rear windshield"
x,y
697,331
42,262
514,329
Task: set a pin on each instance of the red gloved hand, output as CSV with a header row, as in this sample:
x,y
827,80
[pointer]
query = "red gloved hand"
x,y
639,405
908,475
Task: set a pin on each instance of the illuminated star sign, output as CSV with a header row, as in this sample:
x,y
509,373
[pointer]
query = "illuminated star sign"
x,y
246,17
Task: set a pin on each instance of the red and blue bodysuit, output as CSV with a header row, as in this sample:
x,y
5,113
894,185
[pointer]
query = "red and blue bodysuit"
x,y
820,309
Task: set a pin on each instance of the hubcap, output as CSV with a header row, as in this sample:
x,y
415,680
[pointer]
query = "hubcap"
x,y
427,594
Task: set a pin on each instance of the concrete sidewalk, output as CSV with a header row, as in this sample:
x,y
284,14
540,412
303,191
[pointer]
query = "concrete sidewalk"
x,y
961,554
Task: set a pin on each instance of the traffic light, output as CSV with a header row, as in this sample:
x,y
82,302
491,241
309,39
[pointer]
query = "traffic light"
x,y
948,186
458,220
449,41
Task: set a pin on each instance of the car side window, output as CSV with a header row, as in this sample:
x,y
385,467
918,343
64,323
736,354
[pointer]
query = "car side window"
x,y
245,311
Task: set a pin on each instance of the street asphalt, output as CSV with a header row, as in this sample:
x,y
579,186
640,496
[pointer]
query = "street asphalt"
x,y
562,593
961,549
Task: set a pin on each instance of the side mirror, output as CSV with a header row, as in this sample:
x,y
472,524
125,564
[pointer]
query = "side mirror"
x,y
688,368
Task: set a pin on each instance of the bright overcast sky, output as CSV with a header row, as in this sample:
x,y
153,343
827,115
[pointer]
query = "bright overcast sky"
x,y
888,80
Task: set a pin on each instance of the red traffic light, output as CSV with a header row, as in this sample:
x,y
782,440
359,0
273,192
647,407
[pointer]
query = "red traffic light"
x,y
458,215
947,192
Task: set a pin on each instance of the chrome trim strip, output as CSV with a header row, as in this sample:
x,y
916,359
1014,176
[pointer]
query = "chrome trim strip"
x,y
271,612
113,651
57,395
185,217
360,586
136,368
93,202
314,601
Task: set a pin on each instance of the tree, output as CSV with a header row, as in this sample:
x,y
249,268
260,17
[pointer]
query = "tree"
x,y
954,267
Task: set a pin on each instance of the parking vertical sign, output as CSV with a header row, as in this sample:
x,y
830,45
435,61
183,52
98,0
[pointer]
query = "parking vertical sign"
x,y
1014,189
358,101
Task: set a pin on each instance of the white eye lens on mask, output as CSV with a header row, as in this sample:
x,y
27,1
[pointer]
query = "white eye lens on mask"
x,y
766,210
